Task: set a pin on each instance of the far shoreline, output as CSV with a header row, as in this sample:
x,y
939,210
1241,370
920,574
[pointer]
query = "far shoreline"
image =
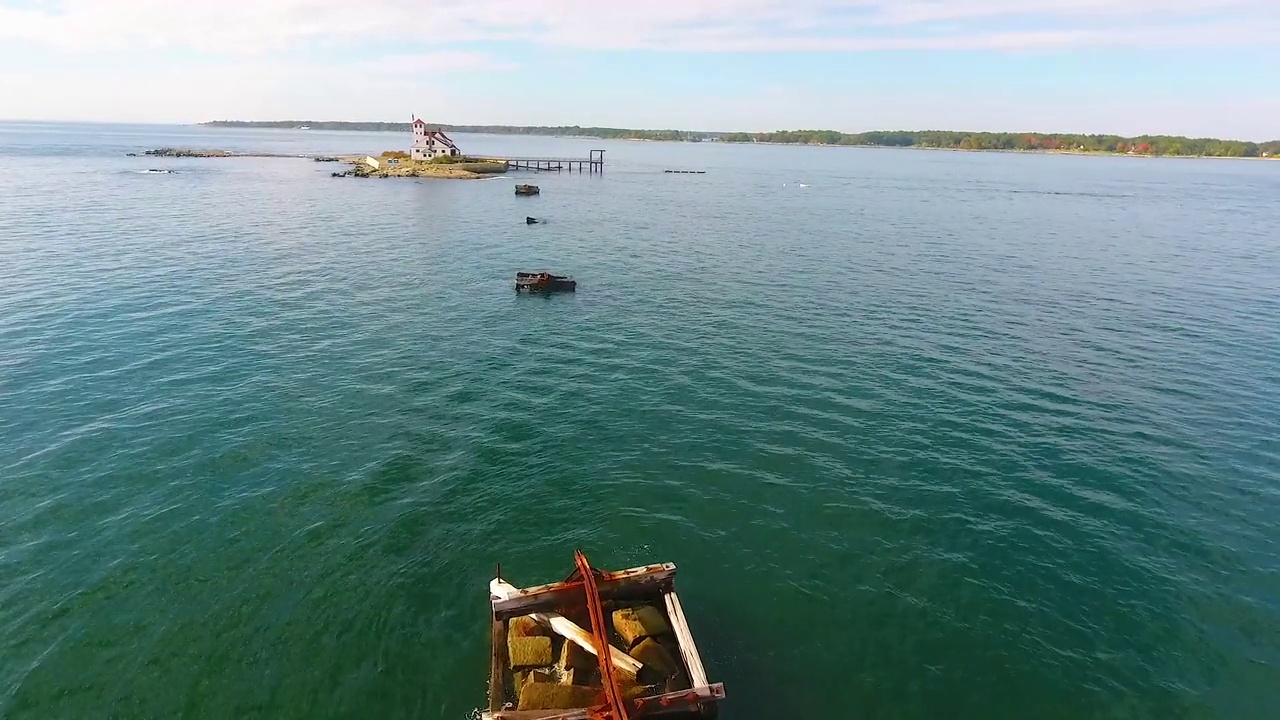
x,y
1058,143
1012,151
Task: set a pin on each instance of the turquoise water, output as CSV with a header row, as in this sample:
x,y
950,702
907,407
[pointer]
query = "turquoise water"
x,y
940,435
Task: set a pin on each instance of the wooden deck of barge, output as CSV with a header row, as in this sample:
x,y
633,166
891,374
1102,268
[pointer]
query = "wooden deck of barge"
x,y
618,686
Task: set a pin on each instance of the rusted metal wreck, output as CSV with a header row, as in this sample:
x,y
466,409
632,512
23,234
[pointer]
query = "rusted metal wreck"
x,y
634,659
544,282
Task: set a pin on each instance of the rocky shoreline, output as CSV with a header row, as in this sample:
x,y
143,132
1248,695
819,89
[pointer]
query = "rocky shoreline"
x,y
190,153
412,169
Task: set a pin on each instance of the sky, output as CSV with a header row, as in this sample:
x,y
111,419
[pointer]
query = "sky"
x,y
1186,67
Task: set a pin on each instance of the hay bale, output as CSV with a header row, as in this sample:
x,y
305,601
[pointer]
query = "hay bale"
x,y
636,623
526,626
655,658
573,656
528,652
652,619
523,677
554,696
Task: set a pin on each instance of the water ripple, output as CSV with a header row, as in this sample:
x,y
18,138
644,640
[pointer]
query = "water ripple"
x,y
943,435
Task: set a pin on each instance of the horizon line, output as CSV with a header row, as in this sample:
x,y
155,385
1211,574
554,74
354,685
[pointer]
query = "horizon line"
x,y
710,133
736,132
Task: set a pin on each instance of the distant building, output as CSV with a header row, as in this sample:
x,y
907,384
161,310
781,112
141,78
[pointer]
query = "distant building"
x,y
428,143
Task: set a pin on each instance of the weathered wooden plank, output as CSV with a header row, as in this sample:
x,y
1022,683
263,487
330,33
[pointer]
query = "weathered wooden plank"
x,y
542,598
498,666
582,714
692,660
682,701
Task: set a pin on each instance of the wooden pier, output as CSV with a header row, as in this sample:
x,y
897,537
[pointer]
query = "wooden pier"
x,y
593,164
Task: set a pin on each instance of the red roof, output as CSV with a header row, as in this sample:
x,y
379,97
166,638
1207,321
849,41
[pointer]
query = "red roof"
x,y
419,121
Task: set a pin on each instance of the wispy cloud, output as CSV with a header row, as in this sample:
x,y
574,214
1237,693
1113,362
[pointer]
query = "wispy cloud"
x,y
437,61
236,28
182,60
1071,11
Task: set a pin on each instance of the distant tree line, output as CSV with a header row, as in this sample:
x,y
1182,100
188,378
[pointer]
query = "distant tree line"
x,y
1142,145
549,130
1056,142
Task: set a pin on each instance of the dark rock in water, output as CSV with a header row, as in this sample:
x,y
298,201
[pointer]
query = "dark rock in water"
x,y
187,153
326,158
131,154
531,221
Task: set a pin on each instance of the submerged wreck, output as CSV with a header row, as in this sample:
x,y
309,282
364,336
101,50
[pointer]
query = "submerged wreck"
x,y
544,282
600,645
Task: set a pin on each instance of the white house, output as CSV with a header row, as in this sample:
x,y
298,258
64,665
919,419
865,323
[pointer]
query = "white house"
x,y
428,144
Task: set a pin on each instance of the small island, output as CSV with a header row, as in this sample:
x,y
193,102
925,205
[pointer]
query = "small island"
x,y
432,154
395,163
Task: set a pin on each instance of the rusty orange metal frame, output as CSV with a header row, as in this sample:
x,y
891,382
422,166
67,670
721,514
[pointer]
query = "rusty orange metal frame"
x,y
617,706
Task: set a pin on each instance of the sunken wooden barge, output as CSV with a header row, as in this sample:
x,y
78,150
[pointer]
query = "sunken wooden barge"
x,y
544,282
600,645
